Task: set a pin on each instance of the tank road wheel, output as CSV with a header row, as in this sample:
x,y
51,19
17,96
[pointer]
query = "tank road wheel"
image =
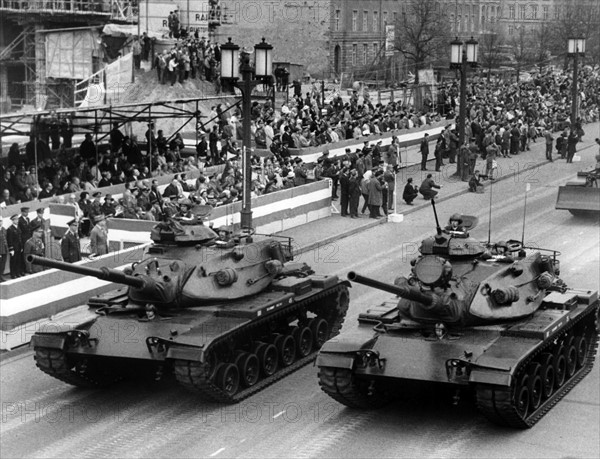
x,y
320,331
286,349
267,358
581,345
248,367
521,396
304,341
341,385
547,374
535,385
560,366
571,357
228,378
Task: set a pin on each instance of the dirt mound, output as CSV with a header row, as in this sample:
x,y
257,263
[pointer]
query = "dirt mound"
x,y
146,89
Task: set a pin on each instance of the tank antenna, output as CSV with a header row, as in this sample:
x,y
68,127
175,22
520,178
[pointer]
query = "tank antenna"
x,y
437,222
527,188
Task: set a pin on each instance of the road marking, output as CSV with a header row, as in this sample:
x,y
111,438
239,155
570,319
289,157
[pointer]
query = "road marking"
x,y
278,414
219,451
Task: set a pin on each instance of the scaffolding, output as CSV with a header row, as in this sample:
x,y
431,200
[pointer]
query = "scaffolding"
x,y
24,51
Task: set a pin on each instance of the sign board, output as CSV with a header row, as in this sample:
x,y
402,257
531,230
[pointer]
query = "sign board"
x,y
390,37
192,14
426,76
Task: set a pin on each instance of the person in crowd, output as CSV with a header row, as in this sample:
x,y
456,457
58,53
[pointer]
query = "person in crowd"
x,y
475,185
35,246
99,236
410,192
69,245
3,252
424,149
14,240
427,187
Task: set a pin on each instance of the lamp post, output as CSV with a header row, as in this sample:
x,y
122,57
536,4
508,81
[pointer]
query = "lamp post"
x,y
232,63
463,55
576,48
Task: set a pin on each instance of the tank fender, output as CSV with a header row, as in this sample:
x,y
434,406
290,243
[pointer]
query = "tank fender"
x,y
335,360
49,340
185,353
490,376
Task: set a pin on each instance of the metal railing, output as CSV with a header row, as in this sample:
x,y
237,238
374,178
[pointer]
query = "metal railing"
x,y
116,9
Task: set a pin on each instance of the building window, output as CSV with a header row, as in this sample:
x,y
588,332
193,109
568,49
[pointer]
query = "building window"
x,y
354,20
354,54
473,23
522,11
534,11
511,30
511,12
375,21
365,53
546,13
452,23
375,50
385,17
556,12
395,16
337,20
458,24
365,21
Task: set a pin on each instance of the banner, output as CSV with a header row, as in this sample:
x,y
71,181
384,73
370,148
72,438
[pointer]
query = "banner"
x,y
69,53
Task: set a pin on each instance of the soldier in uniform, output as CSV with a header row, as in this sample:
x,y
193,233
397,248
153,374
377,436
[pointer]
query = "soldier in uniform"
x,y
99,236
24,224
14,239
35,246
69,244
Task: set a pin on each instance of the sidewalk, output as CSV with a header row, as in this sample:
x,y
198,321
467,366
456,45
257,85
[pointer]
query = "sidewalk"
x,y
312,235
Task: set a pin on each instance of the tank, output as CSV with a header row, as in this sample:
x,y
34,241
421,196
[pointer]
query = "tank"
x,y
224,314
581,197
494,320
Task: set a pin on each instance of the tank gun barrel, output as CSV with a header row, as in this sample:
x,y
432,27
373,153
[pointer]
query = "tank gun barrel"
x,y
404,292
110,275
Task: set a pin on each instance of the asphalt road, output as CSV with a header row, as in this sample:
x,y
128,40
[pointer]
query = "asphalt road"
x,y
42,417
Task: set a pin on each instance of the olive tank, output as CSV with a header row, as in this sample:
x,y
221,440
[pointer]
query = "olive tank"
x,y
225,315
493,319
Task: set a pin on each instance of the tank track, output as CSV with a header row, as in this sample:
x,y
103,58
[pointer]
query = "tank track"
x,y
341,385
56,363
197,376
500,404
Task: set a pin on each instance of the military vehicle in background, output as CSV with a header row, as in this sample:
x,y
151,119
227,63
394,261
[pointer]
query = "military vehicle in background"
x,y
226,314
494,319
581,197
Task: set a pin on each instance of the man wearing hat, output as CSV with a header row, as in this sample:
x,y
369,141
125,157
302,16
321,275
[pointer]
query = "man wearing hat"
x,y
300,175
39,218
95,208
69,244
14,239
455,224
24,223
35,246
99,236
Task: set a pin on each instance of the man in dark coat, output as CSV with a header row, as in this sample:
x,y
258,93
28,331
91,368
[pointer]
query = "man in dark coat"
x,y
69,244
87,149
427,188
424,151
24,224
410,192
14,239
354,192
344,181
3,252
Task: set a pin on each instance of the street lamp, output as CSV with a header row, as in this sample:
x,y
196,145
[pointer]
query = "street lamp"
x,y
232,63
462,54
576,48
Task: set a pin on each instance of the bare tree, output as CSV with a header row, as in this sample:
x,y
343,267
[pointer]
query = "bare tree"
x,y
520,42
490,48
422,33
580,18
543,42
